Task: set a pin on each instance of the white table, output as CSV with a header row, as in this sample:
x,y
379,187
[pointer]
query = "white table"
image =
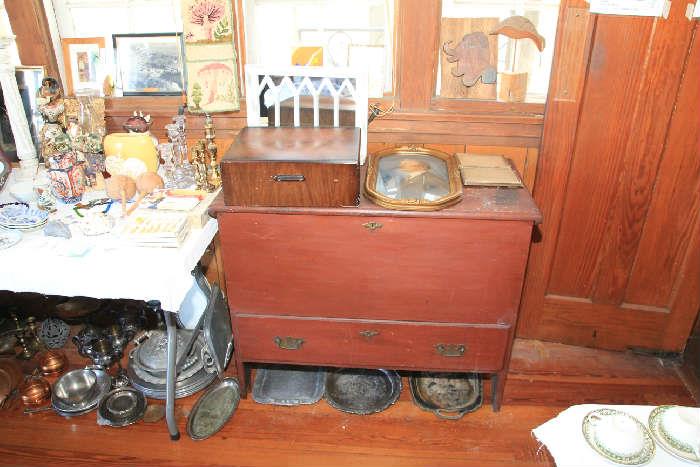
x,y
102,267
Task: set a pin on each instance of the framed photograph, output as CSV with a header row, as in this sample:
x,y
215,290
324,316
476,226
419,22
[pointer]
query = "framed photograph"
x,y
149,64
413,179
83,61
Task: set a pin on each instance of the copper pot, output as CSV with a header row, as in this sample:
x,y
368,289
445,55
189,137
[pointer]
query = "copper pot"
x,y
35,391
53,362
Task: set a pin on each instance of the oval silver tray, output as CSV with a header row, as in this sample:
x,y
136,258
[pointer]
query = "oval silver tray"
x,y
122,407
211,412
362,392
288,385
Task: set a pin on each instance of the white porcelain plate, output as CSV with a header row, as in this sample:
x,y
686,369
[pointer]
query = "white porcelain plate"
x,y
675,428
9,238
618,437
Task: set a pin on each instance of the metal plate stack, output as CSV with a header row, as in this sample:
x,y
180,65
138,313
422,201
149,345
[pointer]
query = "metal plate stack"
x,y
147,366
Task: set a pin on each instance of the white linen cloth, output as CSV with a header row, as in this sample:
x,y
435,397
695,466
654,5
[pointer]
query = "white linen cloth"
x,y
100,266
563,436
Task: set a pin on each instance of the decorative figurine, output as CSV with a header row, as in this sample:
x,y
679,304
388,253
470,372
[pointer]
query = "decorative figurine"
x,y
51,108
200,166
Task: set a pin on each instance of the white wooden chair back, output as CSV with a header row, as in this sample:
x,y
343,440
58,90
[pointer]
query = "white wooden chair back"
x,y
348,83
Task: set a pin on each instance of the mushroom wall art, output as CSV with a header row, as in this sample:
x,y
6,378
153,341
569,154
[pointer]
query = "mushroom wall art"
x,y
212,80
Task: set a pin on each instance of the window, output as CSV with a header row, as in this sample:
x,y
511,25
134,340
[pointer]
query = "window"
x,y
514,57
323,32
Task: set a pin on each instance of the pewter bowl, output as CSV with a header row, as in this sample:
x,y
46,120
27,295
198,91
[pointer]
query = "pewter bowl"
x,y
76,387
122,406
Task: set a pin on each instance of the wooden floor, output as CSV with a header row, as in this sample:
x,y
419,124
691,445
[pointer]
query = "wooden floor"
x,y
544,379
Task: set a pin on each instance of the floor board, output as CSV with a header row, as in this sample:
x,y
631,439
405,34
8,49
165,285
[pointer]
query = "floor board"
x,y
544,379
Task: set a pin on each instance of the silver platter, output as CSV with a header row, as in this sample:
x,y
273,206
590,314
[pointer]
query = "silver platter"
x,y
293,385
362,392
213,409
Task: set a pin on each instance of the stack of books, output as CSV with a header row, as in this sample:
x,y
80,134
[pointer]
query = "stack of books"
x,y
155,229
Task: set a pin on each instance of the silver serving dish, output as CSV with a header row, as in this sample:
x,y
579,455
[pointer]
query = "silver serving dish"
x,y
152,355
213,409
122,407
103,383
362,392
447,395
288,385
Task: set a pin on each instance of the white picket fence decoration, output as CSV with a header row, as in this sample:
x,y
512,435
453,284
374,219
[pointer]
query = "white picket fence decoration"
x,y
296,80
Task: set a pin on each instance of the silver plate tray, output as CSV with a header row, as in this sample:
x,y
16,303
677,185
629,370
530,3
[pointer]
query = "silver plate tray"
x,y
288,385
447,395
362,392
184,388
216,406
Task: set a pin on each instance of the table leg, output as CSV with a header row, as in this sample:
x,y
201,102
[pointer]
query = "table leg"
x,y
171,377
497,386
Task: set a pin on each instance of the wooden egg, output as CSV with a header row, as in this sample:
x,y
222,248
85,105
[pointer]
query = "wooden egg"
x,y
118,184
149,181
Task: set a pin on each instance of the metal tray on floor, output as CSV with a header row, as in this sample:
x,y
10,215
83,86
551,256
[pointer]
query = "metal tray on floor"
x,y
288,385
362,392
447,395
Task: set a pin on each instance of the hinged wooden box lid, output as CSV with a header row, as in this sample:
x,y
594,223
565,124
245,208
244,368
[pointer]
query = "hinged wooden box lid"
x,y
315,167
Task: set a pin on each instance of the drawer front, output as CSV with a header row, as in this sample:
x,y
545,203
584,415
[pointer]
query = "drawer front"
x,y
387,268
291,184
371,344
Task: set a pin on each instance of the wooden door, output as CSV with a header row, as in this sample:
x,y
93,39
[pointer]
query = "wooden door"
x,y
618,264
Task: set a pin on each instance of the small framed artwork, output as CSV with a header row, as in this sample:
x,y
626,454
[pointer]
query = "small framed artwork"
x,y
83,62
149,64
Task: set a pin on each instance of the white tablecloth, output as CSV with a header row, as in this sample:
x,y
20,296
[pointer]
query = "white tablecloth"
x,y
100,266
563,436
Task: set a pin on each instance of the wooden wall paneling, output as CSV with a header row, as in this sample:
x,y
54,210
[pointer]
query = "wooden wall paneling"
x,y
666,271
418,33
597,161
598,192
661,75
31,28
572,50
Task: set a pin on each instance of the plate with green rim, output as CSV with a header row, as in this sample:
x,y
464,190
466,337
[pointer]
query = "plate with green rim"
x,y
602,443
668,442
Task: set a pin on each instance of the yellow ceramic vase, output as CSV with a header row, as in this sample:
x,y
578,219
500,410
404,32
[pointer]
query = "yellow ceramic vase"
x,y
136,145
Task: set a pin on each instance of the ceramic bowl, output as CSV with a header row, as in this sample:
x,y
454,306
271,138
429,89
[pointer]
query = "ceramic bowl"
x,y
23,191
683,424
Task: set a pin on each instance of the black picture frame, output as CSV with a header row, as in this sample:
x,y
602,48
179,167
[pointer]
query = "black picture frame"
x,y
150,64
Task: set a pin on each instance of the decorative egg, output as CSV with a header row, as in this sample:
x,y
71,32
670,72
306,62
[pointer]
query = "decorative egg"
x,y
118,184
149,181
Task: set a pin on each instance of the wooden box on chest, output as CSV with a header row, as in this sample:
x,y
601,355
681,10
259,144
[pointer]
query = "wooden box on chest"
x,y
316,167
373,288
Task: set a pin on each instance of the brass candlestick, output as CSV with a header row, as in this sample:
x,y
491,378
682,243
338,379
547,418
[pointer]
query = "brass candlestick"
x,y
214,171
200,166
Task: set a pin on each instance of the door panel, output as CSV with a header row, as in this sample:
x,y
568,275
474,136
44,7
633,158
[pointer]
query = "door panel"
x,y
619,186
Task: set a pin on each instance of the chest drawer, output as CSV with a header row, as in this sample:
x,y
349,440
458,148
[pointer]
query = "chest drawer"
x,y
368,343
388,268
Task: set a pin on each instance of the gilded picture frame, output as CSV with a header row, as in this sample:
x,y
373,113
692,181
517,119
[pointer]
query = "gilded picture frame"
x,y
413,179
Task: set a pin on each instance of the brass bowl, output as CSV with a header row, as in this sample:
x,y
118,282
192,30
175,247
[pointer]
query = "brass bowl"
x,y
53,363
35,391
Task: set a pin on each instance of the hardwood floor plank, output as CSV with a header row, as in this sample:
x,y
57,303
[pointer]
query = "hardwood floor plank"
x,y
545,378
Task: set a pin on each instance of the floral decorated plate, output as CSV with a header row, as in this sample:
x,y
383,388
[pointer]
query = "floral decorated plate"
x,y
618,437
20,216
9,238
677,430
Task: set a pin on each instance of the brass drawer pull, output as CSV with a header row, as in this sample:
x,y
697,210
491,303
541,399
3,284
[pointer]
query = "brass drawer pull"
x,y
371,226
289,343
288,178
368,334
450,350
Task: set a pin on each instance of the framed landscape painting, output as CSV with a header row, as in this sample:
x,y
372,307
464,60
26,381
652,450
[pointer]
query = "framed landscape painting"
x,y
149,64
